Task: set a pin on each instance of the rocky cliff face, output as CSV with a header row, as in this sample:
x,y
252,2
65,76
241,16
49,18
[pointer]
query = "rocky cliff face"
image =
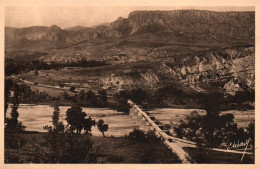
x,y
230,69
236,24
187,24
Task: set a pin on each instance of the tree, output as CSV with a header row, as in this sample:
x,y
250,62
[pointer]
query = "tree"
x,y
91,98
121,99
75,117
13,123
102,127
8,85
55,116
81,97
102,97
212,129
88,123
138,95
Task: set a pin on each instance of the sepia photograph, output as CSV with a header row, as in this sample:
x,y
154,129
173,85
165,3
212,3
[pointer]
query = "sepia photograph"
x,y
129,85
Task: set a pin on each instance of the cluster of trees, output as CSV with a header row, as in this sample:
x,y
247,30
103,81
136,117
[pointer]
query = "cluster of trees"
x,y
27,95
169,95
213,129
17,66
77,121
13,66
64,144
88,98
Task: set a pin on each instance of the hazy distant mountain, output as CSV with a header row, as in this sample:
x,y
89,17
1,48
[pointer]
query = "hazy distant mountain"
x,y
190,26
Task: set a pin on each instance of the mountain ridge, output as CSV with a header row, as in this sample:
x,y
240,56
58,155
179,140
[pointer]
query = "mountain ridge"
x,y
188,24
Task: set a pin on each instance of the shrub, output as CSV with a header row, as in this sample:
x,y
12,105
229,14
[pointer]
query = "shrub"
x,y
137,135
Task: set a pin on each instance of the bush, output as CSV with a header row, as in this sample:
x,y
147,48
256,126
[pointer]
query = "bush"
x,y
137,135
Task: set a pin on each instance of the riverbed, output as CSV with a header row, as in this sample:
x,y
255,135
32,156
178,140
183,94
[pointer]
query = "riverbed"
x,y
34,117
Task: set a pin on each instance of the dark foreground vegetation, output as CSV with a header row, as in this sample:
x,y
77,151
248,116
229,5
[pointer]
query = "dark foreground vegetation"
x,y
73,148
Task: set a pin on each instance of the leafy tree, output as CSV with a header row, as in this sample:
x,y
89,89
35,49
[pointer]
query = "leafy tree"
x,y
102,127
55,116
75,117
88,123
138,95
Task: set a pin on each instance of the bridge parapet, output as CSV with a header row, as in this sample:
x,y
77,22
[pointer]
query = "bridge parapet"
x,y
148,119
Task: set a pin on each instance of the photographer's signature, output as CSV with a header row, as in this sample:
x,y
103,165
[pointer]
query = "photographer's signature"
x,y
237,145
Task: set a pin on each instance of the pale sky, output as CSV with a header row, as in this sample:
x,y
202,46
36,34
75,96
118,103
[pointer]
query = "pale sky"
x,y
83,16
